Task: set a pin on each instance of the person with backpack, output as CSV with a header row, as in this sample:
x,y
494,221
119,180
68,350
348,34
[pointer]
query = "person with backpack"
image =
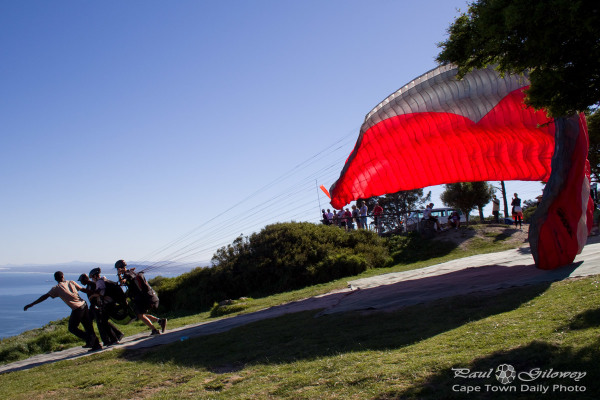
x,y
101,302
144,298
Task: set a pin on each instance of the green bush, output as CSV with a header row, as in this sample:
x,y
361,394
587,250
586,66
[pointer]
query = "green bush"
x,y
281,257
528,213
229,307
337,266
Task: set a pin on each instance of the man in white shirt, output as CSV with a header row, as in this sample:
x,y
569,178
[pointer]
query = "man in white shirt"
x,y
329,216
427,215
363,216
496,209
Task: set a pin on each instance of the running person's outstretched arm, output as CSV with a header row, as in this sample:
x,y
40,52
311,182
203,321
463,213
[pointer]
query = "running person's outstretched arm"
x,y
42,298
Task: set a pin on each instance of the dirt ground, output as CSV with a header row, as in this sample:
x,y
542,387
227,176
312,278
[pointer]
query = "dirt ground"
x,y
486,232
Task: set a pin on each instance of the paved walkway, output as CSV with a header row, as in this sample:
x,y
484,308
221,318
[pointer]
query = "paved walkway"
x,y
384,292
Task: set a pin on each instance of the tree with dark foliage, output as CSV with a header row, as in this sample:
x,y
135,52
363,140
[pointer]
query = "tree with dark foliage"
x,y
557,42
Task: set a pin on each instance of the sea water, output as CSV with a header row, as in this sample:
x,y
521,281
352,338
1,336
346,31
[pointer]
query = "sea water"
x,y
17,289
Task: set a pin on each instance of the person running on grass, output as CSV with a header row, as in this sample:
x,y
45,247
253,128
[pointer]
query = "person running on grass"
x,y
80,314
99,303
144,298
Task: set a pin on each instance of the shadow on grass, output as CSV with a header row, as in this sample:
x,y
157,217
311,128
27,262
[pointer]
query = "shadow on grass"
x,y
421,286
415,247
465,234
507,233
587,319
546,357
301,336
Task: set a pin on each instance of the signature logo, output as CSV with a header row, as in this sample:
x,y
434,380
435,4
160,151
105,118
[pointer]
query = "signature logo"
x,y
505,373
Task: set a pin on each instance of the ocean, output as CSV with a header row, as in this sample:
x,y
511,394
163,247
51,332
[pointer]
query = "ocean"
x,y
19,288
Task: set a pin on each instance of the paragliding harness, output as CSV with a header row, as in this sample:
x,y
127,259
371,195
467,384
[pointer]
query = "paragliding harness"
x,y
139,292
119,309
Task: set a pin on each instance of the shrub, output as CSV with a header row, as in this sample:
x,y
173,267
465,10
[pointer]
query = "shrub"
x,y
229,307
528,213
281,257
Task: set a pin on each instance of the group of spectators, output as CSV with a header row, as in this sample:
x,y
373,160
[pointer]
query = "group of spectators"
x,y
353,217
346,218
105,298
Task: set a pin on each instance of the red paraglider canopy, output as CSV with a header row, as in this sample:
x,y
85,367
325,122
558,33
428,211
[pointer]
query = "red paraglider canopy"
x,y
438,129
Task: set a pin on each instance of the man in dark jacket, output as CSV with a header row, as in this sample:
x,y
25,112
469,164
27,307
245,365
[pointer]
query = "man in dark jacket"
x,y
144,298
109,333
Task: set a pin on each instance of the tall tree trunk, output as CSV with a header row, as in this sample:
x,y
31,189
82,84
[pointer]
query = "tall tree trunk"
x,y
466,216
504,198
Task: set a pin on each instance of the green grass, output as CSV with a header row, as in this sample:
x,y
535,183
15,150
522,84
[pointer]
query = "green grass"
x,y
405,354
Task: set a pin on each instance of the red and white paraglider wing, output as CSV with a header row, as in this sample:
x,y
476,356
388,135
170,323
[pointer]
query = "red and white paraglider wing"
x,y
440,129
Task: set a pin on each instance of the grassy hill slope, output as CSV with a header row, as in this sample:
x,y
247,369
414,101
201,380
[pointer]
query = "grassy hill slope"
x,y
405,354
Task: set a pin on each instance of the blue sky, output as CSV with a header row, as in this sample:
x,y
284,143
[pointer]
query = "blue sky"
x,y
153,130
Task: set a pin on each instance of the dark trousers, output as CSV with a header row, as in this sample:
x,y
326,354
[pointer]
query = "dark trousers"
x,y
108,332
81,316
518,220
496,216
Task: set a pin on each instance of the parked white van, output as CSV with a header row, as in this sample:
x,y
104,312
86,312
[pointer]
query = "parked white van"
x,y
442,215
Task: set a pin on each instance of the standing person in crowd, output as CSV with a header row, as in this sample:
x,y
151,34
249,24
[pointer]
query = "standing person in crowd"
x,y
363,215
341,219
325,219
517,211
496,209
347,216
109,333
330,217
377,213
335,219
68,292
356,217
144,298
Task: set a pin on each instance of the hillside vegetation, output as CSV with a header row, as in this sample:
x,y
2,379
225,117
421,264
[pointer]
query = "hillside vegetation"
x,y
279,258
290,256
